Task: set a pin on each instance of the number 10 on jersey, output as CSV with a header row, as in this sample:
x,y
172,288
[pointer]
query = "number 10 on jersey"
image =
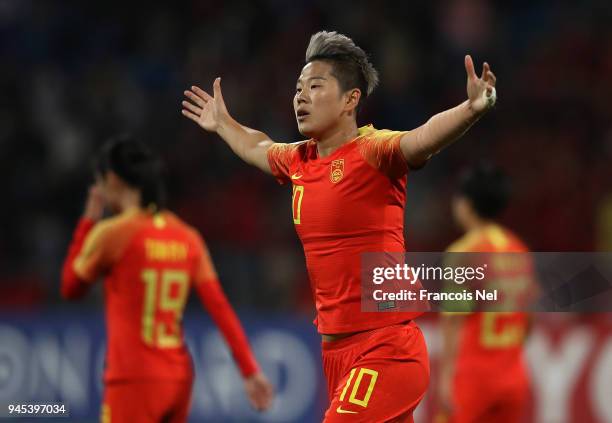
x,y
296,203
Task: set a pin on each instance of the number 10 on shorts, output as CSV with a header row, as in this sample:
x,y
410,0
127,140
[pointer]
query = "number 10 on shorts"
x,y
364,373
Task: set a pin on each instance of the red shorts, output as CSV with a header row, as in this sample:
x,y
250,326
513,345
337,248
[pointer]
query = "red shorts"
x,y
493,397
376,376
146,401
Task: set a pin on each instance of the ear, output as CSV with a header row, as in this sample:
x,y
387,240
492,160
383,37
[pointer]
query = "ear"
x,y
352,99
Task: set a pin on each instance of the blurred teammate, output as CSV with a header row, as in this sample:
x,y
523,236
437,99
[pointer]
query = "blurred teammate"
x,y
348,198
483,377
151,260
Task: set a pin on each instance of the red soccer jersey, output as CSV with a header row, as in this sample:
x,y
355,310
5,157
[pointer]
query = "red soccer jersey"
x,y
492,342
150,263
346,204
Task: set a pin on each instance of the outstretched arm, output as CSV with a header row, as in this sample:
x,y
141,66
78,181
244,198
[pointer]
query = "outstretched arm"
x,y
444,128
211,114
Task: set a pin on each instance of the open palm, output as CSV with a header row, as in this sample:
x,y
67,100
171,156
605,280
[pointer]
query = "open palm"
x,y
204,109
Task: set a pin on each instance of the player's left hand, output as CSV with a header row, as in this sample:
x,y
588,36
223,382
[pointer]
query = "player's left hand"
x,y
481,91
260,391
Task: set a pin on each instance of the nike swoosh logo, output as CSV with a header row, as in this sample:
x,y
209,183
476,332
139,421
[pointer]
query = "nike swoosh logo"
x,y
296,176
340,410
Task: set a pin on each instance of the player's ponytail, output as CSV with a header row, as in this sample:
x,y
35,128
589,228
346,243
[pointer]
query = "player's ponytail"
x,y
137,166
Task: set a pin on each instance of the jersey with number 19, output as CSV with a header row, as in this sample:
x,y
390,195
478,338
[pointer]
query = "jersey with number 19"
x,y
150,263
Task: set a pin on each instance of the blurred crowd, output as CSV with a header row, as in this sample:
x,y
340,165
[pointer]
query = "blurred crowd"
x,y
74,73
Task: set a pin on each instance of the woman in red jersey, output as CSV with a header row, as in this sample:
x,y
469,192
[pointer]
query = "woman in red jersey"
x,y
349,198
150,260
483,375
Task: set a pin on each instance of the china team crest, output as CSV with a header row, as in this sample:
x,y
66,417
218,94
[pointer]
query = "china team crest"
x,y
336,171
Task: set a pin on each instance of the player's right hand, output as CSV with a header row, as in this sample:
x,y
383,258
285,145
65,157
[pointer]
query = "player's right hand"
x,y
260,391
94,206
205,110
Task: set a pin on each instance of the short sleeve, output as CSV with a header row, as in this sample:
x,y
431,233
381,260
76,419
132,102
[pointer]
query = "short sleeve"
x,y
381,149
94,258
204,267
280,157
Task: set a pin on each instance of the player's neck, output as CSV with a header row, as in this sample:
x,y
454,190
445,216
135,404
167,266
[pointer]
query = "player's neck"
x,y
129,200
477,224
336,137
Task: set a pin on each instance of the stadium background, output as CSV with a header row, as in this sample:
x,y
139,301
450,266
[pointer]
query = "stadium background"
x,y
74,73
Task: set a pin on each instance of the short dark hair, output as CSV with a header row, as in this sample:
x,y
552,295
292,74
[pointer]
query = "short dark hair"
x,y
487,188
350,64
137,166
